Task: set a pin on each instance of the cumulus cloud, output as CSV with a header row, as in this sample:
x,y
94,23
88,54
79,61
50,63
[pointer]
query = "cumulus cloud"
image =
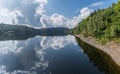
x,y
57,20
85,12
6,15
32,12
40,10
4,12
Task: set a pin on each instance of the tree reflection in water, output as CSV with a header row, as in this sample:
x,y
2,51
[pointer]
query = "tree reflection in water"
x,y
99,58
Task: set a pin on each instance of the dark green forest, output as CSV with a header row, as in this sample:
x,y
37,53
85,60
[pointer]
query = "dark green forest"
x,y
103,24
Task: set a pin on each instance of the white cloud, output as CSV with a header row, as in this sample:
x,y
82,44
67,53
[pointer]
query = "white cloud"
x,y
85,12
29,12
4,12
42,2
6,16
97,4
57,20
40,10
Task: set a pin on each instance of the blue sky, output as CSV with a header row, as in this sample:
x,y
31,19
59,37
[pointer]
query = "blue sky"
x,y
69,8
49,13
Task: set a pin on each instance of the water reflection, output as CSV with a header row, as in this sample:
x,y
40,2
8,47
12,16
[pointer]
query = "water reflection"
x,y
24,57
43,55
28,56
99,58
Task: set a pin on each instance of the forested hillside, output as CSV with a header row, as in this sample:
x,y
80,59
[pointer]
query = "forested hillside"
x,y
103,24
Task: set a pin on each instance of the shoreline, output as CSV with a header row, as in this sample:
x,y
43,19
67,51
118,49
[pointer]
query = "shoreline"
x,y
107,48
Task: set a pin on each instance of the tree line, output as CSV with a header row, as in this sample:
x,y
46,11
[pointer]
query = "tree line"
x,y
103,24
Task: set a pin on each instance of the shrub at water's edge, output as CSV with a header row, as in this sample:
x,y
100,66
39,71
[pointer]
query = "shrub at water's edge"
x,y
103,25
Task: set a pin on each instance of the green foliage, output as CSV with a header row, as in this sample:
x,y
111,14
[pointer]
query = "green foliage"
x,y
118,0
104,24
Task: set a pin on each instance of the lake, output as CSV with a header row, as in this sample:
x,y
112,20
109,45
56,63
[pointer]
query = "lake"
x,y
46,51
45,55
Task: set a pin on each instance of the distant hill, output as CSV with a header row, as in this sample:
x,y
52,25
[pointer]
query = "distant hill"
x,y
103,24
21,32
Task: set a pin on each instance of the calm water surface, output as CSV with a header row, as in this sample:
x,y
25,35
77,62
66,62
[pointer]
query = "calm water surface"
x,y
44,55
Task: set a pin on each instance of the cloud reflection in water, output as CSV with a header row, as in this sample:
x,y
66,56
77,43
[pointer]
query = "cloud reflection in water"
x,y
28,56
